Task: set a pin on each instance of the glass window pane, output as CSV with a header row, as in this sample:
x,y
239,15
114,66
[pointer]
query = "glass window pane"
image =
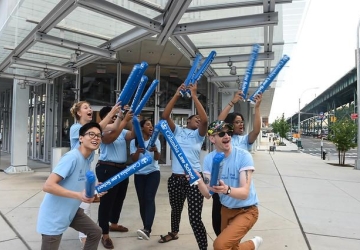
x,y
98,84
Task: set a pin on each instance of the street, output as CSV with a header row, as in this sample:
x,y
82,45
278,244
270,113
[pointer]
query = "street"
x,y
312,146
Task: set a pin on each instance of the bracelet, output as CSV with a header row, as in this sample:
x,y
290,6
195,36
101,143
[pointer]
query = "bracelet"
x,y
230,105
233,102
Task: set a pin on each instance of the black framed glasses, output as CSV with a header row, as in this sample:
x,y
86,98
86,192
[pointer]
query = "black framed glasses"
x,y
92,135
222,133
238,122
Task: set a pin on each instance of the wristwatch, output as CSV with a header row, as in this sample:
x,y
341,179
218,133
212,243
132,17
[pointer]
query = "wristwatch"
x,y
228,191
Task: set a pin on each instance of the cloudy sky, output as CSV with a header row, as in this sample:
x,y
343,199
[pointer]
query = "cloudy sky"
x,y
324,53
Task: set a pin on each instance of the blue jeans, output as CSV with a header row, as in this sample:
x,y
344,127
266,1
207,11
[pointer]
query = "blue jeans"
x,y
146,187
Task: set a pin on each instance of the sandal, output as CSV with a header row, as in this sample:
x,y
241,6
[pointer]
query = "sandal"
x,y
169,237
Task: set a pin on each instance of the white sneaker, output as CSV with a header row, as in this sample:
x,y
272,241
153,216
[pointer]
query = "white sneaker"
x,y
144,234
257,242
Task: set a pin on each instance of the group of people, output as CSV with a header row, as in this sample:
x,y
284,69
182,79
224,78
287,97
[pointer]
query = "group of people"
x,y
235,201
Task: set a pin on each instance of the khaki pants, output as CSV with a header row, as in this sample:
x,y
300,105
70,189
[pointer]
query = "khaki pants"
x,y
235,223
81,223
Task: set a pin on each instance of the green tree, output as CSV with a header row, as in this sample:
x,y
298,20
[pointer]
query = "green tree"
x,y
275,126
281,127
342,134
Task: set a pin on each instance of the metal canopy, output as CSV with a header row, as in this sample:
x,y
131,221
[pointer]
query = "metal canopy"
x,y
44,34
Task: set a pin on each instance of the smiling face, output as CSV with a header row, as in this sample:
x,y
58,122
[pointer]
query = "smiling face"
x,y
147,128
222,144
238,124
85,113
193,122
91,139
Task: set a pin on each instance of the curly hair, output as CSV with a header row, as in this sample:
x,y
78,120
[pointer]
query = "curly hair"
x,y
75,108
230,118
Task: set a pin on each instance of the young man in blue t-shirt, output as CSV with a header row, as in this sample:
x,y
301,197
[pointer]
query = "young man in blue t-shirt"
x,y
236,189
65,190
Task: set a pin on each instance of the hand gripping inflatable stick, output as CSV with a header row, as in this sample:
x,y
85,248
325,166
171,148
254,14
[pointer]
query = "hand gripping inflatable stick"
x,y
131,83
146,97
90,184
119,177
137,128
164,128
249,70
218,158
266,83
139,92
191,73
153,138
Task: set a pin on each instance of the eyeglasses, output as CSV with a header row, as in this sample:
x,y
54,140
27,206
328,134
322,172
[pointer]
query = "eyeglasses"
x,y
92,135
222,133
238,122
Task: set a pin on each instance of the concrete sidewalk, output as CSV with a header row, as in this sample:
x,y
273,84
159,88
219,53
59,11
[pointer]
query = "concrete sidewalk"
x,y
305,203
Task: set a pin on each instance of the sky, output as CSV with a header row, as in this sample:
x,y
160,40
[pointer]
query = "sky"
x,y
325,51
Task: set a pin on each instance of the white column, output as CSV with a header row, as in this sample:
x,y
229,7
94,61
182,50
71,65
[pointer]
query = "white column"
x,y
19,130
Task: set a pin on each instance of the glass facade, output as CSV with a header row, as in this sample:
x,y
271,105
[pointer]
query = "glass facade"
x,y
94,25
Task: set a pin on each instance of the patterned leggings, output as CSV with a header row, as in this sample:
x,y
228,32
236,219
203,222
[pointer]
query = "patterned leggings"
x,y
179,189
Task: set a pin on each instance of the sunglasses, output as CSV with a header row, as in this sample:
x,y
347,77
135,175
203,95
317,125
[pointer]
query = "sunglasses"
x,y
222,133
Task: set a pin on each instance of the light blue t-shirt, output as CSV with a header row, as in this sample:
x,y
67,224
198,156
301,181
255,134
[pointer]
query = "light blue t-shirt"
x,y
241,141
74,139
115,151
74,135
154,166
238,160
56,212
190,142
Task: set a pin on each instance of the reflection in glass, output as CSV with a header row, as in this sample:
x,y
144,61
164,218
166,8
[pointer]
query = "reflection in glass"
x,y
65,94
98,84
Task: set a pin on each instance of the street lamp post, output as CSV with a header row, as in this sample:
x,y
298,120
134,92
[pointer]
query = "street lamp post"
x,y
299,139
299,124
357,162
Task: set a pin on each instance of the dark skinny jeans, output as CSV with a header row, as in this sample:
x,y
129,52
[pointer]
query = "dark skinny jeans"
x,y
146,187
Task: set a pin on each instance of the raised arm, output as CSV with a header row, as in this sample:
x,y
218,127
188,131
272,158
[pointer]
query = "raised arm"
x,y
170,106
104,122
131,133
257,120
110,136
200,110
237,97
